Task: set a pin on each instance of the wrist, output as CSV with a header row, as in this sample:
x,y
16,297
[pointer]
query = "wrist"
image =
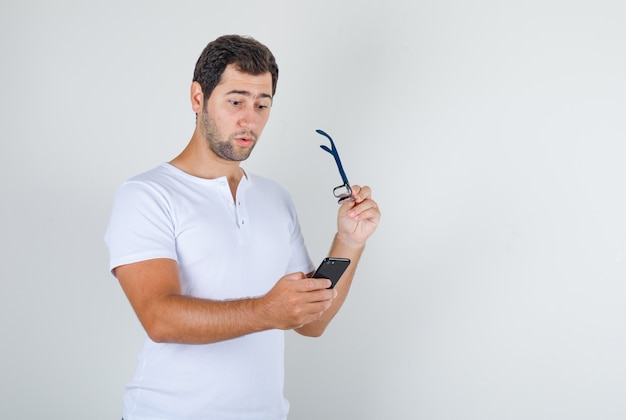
x,y
343,240
262,313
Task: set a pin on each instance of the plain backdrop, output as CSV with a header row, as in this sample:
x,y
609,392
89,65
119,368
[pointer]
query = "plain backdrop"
x,y
493,134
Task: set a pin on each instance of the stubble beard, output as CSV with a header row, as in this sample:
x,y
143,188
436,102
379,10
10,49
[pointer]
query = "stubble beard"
x,y
224,148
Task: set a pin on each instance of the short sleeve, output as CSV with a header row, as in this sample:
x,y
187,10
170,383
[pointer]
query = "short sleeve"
x,y
140,227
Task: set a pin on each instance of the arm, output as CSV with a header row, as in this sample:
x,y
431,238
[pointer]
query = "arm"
x,y
356,221
154,291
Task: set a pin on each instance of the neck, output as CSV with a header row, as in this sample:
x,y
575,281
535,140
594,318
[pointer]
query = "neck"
x,y
198,160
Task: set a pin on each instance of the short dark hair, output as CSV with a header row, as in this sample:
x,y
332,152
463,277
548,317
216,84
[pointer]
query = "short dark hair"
x,y
246,53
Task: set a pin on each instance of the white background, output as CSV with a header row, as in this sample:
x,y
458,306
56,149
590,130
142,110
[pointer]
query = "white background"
x,y
492,133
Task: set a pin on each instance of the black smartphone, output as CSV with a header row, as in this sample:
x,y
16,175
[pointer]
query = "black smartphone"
x,y
332,269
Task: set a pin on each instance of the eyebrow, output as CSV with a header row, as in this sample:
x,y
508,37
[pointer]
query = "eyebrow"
x,y
247,93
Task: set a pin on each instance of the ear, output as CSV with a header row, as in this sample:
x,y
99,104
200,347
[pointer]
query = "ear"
x,y
197,97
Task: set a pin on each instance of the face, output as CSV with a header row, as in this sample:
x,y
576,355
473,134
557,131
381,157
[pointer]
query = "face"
x,y
236,113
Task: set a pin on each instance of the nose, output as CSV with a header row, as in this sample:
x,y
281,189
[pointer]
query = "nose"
x,y
248,118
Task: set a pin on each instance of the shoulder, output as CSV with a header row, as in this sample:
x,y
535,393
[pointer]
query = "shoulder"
x,y
268,186
153,186
259,181
158,180
160,175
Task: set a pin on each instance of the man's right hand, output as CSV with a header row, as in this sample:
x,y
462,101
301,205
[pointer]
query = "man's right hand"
x,y
296,300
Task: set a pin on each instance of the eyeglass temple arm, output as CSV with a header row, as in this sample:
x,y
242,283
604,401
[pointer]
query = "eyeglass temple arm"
x,y
335,155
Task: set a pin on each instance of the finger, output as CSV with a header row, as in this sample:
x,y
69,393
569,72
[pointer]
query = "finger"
x,y
365,209
361,193
298,275
312,284
324,296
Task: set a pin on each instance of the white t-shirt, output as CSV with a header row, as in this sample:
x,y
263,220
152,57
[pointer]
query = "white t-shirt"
x,y
224,250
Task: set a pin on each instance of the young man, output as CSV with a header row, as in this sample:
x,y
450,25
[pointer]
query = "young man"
x,y
212,260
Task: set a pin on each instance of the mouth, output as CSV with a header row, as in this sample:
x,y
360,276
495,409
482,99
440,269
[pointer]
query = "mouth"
x,y
245,141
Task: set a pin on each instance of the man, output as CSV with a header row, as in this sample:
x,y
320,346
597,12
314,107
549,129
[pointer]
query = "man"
x,y
212,259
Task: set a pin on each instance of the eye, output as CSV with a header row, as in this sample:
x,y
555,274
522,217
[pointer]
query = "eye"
x,y
263,105
234,102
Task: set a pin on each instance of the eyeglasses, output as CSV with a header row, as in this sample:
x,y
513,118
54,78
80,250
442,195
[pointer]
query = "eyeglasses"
x,y
342,192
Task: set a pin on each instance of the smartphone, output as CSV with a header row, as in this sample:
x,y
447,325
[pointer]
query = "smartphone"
x,y
332,269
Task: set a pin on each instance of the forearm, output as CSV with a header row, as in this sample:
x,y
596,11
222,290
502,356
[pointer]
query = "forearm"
x,y
356,221
341,248
153,289
188,320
